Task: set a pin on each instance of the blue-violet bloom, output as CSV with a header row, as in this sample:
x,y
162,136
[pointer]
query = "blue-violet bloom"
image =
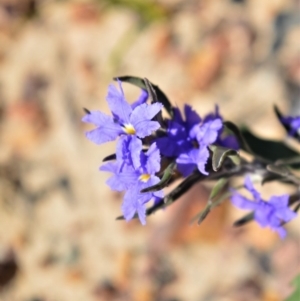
x,y
135,119
134,177
188,140
272,213
292,124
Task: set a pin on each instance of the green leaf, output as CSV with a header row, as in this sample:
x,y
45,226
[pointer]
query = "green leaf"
x,y
86,111
283,172
231,127
154,99
164,180
209,206
139,82
244,220
109,158
295,296
220,154
279,170
221,183
204,213
270,150
293,162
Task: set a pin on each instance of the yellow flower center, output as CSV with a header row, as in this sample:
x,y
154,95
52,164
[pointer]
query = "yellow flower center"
x,y
129,129
144,177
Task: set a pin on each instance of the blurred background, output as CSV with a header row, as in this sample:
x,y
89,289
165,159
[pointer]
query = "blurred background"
x,y
59,239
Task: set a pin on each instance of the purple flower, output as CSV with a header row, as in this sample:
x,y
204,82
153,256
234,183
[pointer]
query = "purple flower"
x,y
133,176
292,125
187,140
224,139
134,120
177,139
267,214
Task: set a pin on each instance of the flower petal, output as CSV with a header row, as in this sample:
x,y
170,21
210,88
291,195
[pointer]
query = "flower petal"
x,y
286,214
191,117
185,164
142,99
209,131
263,214
249,186
129,150
201,157
281,201
153,159
118,105
107,129
243,203
141,119
134,202
120,181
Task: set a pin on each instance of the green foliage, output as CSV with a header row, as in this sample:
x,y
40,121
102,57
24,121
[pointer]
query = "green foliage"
x,y
295,296
270,150
220,154
147,11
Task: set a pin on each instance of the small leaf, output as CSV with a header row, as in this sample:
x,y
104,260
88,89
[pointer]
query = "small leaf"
x,y
164,180
221,183
292,162
139,82
244,220
203,214
270,150
296,209
280,116
283,172
228,125
86,111
279,170
154,99
220,154
209,206
236,159
269,177
150,90
110,157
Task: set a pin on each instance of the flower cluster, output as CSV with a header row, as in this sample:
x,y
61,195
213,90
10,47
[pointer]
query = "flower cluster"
x,y
139,147
133,169
153,150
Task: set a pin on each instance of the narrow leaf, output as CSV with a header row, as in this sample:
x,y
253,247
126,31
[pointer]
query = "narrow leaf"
x,y
221,183
279,170
110,157
270,150
220,154
210,205
139,82
203,214
236,131
154,99
86,111
244,220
